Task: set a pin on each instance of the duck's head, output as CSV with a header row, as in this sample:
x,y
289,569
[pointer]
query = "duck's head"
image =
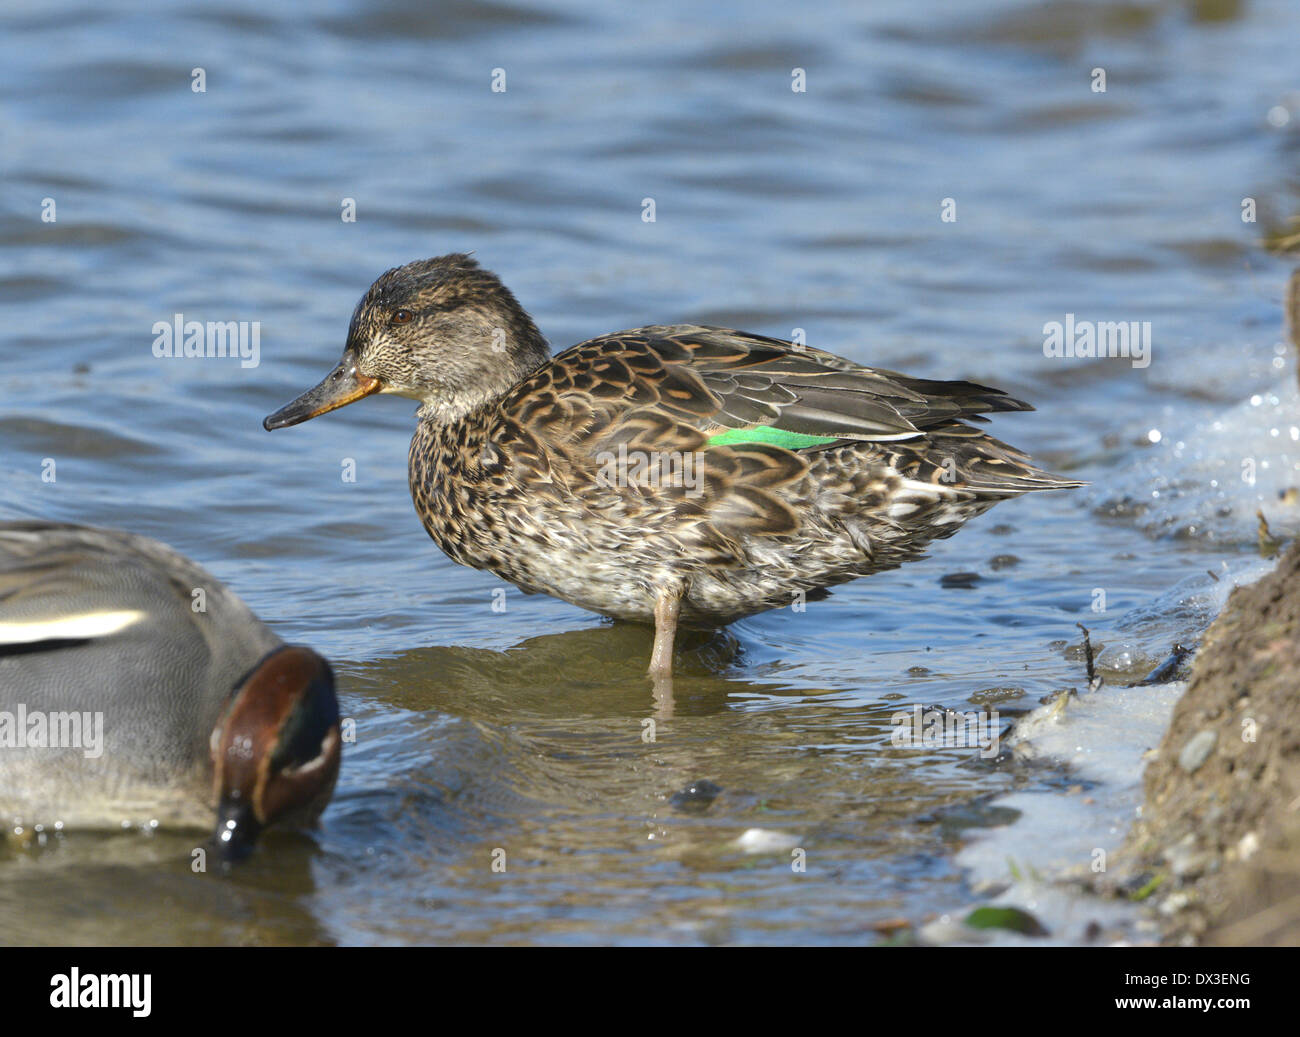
x,y
443,331
276,749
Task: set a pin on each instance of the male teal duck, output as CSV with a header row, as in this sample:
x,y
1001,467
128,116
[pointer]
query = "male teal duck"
x,y
668,474
166,695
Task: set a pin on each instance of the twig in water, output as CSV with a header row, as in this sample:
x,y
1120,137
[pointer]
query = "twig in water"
x,y
1094,681
1167,670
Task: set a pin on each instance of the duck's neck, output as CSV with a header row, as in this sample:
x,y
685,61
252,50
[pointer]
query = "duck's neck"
x,y
452,411
449,408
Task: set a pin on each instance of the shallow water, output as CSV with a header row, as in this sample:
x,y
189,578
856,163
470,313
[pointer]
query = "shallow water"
x,y
522,731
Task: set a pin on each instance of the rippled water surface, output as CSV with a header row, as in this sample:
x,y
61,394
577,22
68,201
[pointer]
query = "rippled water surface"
x,y
520,733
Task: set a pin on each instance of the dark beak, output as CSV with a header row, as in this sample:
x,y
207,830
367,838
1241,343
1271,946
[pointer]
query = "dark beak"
x,y
337,389
237,830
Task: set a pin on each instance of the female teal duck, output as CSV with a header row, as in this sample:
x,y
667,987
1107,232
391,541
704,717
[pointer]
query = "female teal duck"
x,y
136,688
668,474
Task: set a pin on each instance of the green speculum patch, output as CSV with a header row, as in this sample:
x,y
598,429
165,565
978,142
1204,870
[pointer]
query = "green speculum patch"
x,y
768,434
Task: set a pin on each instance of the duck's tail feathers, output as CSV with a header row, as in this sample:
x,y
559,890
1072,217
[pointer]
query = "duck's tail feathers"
x,y
990,468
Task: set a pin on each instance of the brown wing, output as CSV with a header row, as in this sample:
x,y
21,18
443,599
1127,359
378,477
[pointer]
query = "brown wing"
x,y
713,378
663,391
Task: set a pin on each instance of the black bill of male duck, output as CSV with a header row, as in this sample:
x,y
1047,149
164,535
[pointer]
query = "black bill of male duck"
x,y
136,689
677,474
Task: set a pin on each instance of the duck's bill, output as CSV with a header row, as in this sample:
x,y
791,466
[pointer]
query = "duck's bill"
x,y
237,831
340,387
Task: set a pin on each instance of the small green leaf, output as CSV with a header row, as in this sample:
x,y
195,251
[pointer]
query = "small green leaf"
x,y
1011,918
1153,884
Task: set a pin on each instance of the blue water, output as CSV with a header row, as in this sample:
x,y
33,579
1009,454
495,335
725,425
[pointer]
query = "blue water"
x,y
481,731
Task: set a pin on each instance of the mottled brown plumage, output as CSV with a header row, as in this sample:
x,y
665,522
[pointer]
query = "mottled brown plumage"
x,y
599,476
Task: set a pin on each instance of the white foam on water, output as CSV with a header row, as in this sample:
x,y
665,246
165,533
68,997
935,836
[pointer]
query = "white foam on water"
x,y
1207,479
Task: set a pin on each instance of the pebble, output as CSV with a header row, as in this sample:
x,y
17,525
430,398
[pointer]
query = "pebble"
x,y
761,840
947,930
1185,860
696,798
1197,750
1175,902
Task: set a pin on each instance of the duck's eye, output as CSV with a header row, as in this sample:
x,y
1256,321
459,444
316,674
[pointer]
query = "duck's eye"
x,y
401,317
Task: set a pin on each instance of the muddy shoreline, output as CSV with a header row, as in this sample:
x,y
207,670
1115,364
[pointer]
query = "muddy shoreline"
x,y
1216,848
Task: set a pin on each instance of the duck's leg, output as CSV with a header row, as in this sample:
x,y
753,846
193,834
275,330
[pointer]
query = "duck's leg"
x,y
668,606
